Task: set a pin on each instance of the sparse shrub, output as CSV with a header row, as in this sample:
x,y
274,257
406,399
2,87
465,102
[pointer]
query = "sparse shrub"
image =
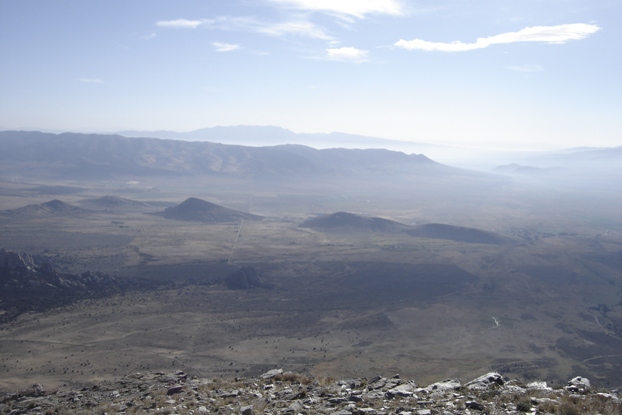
x,y
293,377
568,408
327,381
488,395
523,407
547,407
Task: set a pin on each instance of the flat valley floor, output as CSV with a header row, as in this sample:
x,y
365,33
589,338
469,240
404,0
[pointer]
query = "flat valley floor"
x,y
346,302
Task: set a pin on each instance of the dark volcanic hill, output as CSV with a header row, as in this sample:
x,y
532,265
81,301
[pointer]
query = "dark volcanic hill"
x,y
349,222
52,208
193,209
457,233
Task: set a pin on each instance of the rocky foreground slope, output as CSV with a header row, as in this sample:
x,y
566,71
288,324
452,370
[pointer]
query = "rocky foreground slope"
x,y
281,393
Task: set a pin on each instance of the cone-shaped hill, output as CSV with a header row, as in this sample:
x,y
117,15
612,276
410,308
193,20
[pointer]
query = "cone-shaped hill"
x,y
51,208
349,222
193,209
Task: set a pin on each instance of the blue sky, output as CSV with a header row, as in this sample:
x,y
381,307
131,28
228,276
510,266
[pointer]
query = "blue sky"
x,y
508,73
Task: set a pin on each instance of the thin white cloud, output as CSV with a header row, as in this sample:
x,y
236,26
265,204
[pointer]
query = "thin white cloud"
x,y
354,8
250,24
225,47
546,34
91,80
349,54
182,23
526,68
299,28
149,36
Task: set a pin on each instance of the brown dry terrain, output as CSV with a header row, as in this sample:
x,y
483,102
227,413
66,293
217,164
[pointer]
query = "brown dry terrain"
x,y
544,304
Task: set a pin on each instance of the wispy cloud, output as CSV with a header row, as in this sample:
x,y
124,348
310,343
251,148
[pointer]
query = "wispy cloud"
x,y
225,47
149,36
354,8
300,28
545,34
526,68
91,80
349,54
183,23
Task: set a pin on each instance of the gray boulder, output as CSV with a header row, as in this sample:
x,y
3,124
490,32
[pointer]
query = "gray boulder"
x,y
443,386
578,384
487,381
405,389
271,373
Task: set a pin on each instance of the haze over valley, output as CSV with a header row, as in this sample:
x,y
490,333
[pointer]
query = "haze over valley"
x,y
196,194
127,254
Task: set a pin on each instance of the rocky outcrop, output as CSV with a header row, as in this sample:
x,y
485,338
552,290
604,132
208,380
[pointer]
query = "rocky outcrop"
x,y
29,285
485,382
578,385
284,393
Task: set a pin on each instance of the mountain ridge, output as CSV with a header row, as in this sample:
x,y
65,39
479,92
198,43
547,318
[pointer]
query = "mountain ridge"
x,y
103,156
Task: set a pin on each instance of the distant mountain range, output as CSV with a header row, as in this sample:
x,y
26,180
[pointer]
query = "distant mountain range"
x,y
95,156
252,135
92,156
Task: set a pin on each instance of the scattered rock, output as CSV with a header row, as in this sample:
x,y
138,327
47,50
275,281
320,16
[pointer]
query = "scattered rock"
x,y
538,386
176,393
486,381
442,386
474,405
405,389
175,390
271,373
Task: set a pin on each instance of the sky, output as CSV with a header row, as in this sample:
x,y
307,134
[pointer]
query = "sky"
x,y
496,73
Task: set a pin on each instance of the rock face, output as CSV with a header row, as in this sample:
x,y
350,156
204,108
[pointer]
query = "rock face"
x,y
282,393
28,285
